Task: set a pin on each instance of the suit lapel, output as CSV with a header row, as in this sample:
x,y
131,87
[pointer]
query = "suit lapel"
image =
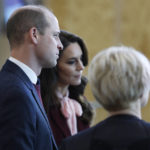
x,y
37,99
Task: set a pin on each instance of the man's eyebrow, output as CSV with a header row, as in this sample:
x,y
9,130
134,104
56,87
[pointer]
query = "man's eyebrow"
x,y
57,32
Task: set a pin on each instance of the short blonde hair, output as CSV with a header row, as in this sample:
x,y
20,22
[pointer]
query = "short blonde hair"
x,y
119,76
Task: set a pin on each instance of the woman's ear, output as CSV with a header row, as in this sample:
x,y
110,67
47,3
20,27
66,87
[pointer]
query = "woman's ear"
x,y
34,35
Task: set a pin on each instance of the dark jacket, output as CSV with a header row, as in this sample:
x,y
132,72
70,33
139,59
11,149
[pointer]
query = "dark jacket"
x,y
23,121
114,133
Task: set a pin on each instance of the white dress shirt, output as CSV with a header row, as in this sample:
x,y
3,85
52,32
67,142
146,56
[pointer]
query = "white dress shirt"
x,y
27,70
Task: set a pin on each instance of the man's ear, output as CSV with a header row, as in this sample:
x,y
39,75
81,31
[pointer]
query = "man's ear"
x,y
34,35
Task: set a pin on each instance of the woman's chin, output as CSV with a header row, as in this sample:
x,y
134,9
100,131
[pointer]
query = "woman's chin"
x,y
76,83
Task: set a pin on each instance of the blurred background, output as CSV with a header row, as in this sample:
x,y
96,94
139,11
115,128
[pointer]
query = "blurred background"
x,y
101,23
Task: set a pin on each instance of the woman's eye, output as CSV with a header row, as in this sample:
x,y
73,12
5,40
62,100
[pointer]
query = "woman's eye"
x,y
71,62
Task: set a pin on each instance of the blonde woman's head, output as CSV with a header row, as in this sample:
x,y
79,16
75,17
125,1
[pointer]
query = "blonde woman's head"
x,y
119,76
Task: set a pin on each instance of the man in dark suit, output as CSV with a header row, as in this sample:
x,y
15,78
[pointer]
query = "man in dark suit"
x,y
33,34
120,81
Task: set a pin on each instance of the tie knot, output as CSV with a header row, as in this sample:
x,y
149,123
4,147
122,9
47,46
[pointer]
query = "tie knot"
x,y
37,85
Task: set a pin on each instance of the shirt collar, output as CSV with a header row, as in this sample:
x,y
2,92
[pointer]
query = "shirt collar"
x,y
28,71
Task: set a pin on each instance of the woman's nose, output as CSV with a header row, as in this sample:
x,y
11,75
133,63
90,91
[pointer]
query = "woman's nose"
x,y
80,65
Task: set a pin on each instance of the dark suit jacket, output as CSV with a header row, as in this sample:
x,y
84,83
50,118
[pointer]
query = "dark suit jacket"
x,y
116,131
23,121
59,125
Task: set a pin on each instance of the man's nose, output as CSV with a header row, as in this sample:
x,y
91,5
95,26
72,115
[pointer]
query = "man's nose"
x,y
60,46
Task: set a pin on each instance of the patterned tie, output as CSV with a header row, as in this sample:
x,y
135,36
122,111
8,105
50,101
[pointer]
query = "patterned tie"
x,y
37,87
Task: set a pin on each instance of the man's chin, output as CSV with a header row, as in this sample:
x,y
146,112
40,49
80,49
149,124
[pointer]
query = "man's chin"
x,y
53,65
50,65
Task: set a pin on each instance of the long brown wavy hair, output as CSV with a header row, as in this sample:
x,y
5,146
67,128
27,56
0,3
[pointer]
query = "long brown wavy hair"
x,y
49,78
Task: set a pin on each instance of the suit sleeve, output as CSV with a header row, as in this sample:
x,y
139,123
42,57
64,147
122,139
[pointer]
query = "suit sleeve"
x,y
17,120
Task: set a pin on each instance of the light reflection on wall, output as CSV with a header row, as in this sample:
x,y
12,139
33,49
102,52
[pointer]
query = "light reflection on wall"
x,y
7,7
10,7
